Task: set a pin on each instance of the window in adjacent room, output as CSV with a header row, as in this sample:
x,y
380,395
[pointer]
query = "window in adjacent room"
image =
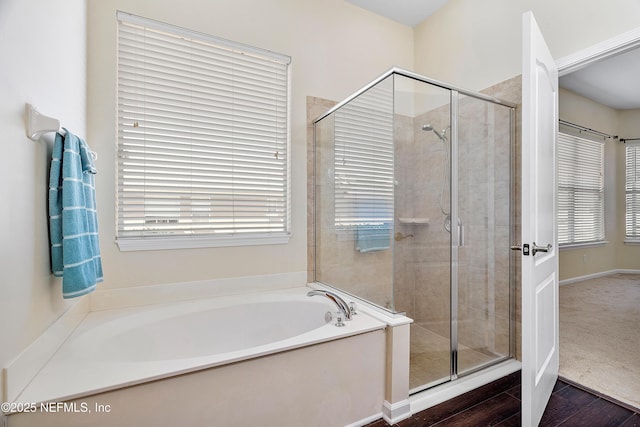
x,y
580,190
203,140
632,191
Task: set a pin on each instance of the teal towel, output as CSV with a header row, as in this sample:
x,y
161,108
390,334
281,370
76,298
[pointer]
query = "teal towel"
x,y
73,219
371,239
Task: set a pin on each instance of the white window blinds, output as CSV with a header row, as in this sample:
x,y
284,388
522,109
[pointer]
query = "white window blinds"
x,y
203,137
632,191
580,190
364,160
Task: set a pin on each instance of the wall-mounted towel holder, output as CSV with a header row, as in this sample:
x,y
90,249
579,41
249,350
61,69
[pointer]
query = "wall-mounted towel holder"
x,y
38,124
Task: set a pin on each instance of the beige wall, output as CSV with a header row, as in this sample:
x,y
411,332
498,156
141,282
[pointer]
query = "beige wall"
x,y
476,44
615,254
335,47
44,63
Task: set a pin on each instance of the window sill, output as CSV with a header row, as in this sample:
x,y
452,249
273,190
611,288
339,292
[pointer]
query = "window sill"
x,y
632,242
154,243
583,245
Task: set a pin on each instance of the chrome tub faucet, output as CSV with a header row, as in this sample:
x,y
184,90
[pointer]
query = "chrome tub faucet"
x,y
342,305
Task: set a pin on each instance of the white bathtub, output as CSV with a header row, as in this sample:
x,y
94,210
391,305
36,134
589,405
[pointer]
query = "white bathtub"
x,y
117,348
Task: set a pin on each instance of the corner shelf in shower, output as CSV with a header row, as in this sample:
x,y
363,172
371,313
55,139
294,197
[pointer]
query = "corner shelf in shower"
x,y
414,221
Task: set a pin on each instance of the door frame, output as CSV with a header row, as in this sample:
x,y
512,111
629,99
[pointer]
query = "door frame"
x,y
613,46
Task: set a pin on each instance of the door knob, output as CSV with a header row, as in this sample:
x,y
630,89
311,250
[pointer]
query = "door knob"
x,y
535,248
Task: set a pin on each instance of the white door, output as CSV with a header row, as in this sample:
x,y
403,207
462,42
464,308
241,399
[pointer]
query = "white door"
x,y
539,239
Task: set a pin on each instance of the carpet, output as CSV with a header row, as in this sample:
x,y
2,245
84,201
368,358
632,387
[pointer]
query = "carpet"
x,y
600,335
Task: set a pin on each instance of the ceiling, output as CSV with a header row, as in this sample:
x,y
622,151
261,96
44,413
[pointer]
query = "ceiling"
x,y
407,12
614,81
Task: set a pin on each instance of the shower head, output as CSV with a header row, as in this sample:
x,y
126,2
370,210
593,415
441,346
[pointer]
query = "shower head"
x,y
429,128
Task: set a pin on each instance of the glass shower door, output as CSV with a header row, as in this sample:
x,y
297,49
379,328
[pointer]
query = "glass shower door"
x,y
483,250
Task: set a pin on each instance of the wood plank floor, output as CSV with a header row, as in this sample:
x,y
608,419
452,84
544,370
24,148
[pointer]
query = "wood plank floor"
x,y
498,404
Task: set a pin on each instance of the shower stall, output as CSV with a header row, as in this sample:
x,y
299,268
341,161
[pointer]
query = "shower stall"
x,y
412,213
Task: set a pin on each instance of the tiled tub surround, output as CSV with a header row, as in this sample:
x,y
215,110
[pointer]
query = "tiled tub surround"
x,y
419,283
196,361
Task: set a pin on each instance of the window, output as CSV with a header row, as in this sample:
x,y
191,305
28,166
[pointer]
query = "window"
x,y
203,140
632,191
363,160
580,190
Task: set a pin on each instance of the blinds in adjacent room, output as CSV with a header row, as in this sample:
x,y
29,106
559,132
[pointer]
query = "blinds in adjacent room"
x,y
580,190
632,191
203,135
363,160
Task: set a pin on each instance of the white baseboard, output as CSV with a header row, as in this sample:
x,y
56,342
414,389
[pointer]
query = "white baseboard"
x,y
106,299
19,372
627,271
396,412
596,275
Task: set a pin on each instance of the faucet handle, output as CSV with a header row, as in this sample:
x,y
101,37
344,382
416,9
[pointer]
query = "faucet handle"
x,y
339,318
352,307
